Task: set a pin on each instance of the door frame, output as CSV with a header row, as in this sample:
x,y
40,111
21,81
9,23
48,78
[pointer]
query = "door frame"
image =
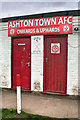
x,y
44,88
12,59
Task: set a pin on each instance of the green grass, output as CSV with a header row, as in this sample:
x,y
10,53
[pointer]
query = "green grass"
x,y
12,115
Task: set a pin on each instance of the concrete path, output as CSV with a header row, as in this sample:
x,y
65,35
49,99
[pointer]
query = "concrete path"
x,y
46,105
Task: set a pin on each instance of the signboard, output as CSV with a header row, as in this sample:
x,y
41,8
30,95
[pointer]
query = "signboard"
x,y
37,44
55,47
49,25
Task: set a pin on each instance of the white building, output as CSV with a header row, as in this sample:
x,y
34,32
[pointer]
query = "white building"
x,y
43,49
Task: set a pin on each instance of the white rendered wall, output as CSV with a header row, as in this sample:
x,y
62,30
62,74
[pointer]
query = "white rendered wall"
x,y
37,63
72,75
5,56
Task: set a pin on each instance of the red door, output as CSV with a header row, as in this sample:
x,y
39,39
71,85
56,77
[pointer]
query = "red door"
x,y
21,64
55,64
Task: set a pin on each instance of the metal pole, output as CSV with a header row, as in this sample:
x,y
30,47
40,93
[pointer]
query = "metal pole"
x,y
18,94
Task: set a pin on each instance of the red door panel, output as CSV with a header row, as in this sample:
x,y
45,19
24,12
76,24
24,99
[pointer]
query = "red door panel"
x,y
55,68
21,62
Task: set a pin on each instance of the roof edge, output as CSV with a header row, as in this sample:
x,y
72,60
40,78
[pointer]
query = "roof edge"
x,y
41,15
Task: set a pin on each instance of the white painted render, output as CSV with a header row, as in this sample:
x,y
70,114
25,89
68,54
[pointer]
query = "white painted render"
x,y
37,60
72,80
5,56
72,74
37,65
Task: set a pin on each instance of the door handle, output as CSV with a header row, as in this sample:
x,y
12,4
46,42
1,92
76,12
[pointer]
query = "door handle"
x,y
28,64
46,59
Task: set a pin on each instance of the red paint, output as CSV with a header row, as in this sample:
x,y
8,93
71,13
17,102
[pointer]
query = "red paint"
x,y
21,55
18,79
55,69
49,25
11,62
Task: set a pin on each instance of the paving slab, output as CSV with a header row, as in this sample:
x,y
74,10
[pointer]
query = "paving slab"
x,y
42,104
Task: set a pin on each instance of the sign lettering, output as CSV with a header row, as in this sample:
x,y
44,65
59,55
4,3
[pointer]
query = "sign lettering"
x,y
54,25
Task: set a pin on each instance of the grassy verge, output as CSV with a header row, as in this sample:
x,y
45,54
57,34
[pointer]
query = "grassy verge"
x,y
10,114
